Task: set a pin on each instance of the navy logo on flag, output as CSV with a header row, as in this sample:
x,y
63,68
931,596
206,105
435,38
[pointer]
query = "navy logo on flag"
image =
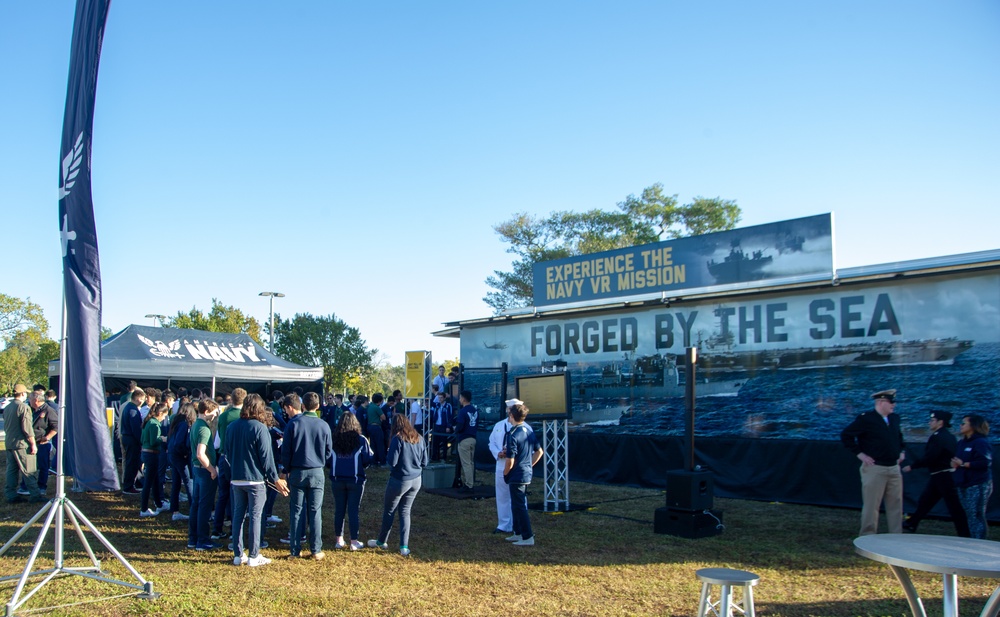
x,y
71,167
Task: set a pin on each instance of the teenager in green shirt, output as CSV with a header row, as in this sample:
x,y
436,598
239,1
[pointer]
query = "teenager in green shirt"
x,y
153,440
205,473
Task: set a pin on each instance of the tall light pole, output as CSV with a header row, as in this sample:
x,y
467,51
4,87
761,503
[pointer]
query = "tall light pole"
x,y
272,295
154,317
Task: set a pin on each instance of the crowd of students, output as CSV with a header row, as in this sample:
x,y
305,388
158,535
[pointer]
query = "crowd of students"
x,y
231,457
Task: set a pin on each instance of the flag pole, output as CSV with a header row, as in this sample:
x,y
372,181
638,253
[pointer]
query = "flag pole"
x,y
87,429
56,511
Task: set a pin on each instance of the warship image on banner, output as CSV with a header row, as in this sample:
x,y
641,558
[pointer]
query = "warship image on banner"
x,y
716,354
642,377
737,266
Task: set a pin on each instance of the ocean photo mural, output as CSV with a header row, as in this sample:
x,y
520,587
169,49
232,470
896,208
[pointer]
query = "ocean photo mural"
x,y
771,364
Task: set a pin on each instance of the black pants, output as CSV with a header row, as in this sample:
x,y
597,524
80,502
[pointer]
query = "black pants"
x,y
132,453
941,487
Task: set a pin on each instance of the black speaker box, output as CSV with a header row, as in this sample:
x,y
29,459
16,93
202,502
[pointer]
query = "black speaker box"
x,y
690,490
687,524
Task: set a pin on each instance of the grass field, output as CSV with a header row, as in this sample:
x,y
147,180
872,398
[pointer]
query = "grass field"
x,y
602,560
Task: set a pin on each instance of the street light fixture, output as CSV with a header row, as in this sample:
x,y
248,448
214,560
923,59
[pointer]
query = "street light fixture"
x,y
154,317
272,295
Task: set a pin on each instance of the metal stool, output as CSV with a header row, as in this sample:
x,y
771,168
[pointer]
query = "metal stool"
x,y
726,579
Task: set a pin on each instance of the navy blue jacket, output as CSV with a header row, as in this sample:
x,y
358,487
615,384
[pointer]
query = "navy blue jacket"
x,y
976,451
465,422
875,436
351,467
520,445
131,423
307,443
248,449
406,460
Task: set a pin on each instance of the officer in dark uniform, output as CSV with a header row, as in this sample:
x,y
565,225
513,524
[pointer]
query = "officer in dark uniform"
x,y
937,459
875,438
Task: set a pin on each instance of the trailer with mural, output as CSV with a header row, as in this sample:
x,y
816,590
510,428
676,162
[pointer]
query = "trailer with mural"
x,y
784,363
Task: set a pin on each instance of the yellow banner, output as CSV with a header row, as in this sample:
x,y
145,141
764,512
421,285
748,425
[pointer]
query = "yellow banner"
x,y
417,369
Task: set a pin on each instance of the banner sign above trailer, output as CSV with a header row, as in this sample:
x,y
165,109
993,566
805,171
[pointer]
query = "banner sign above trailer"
x,y
758,256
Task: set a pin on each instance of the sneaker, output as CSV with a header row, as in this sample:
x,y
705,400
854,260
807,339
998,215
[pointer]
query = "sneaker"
x,y
404,551
259,560
340,544
241,560
131,491
273,519
263,543
165,508
355,545
23,491
206,547
513,538
285,540
148,513
183,498
377,544
219,535
529,542
192,545
179,517
320,556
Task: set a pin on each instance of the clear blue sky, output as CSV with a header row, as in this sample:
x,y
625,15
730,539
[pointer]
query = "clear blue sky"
x,y
355,155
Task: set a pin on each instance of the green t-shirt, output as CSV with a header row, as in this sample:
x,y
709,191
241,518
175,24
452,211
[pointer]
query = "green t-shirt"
x,y
201,433
374,414
230,415
151,435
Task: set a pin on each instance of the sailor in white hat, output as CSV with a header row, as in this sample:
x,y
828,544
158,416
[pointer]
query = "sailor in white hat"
x,y
505,521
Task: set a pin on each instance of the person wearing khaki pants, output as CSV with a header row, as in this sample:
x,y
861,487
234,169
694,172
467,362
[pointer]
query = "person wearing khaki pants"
x,y
877,441
465,434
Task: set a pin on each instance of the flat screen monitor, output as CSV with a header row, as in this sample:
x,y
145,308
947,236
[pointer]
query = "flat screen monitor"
x,y
547,396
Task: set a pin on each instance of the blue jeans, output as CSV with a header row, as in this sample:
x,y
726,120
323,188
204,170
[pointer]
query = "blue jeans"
x,y
181,473
347,496
519,510
974,499
399,494
306,485
248,508
202,502
222,506
151,484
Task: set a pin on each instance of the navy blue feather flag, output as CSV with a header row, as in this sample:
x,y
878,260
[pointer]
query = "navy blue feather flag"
x,y
87,439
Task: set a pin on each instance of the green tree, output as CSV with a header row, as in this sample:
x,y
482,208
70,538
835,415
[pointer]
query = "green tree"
x,y
651,217
26,346
328,342
17,315
220,319
384,377
25,359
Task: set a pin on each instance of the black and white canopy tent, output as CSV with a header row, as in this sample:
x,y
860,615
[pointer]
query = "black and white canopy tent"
x,y
216,361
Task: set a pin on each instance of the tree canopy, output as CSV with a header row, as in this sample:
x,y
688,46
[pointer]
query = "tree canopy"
x,y
325,341
27,349
651,217
220,319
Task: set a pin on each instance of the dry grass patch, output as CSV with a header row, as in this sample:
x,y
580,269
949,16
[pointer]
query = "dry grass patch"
x,y
603,560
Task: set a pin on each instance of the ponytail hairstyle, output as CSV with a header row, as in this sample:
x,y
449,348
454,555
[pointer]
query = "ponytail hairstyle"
x,y
158,410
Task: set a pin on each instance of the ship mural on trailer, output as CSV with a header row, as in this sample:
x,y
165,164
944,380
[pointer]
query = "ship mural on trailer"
x,y
795,364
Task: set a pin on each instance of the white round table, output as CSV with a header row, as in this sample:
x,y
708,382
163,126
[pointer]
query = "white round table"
x,y
949,556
